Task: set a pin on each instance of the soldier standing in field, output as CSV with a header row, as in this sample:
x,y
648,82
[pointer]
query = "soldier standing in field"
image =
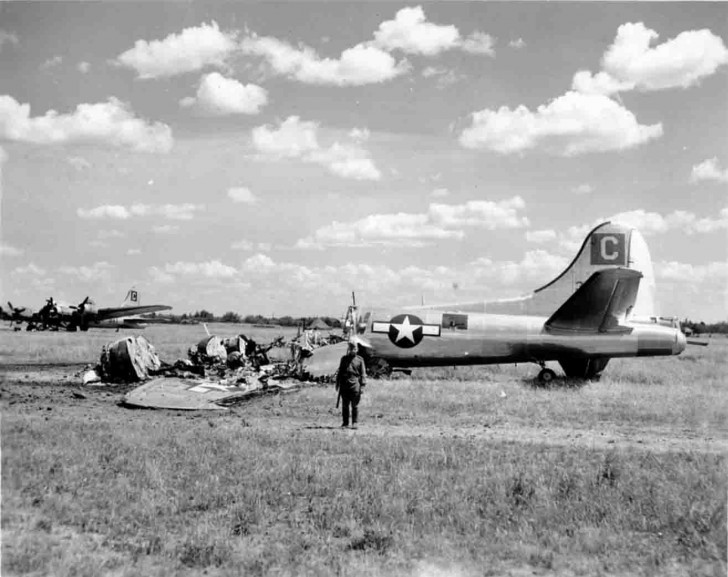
x,y
350,380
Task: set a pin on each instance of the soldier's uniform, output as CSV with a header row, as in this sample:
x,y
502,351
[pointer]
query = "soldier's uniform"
x,y
350,380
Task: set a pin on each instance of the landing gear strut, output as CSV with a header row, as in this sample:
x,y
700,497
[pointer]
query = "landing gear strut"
x,y
545,375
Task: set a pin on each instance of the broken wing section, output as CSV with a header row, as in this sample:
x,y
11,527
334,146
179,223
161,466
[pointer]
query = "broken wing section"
x,y
600,305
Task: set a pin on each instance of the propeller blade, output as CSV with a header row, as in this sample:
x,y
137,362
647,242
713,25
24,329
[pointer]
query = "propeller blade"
x,y
698,343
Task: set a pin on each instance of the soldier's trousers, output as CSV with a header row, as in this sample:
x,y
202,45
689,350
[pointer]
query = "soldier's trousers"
x,y
350,398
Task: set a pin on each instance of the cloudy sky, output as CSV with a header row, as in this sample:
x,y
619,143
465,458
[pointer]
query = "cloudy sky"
x,y
272,158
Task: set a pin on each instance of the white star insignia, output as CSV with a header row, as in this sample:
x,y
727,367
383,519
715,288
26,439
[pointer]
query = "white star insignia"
x,y
405,330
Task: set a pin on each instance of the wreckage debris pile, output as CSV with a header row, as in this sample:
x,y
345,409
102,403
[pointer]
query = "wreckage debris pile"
x,y
229,361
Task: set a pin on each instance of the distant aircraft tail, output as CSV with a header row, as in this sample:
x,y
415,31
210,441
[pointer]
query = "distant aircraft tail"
x,y
132,298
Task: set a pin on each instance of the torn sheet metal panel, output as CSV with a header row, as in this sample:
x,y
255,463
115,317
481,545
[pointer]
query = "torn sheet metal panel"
x,y
324,361
188,394
196,395
212,347
130,359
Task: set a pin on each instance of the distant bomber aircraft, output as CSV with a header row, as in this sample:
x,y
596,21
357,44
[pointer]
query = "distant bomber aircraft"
x,y
600,307
54,316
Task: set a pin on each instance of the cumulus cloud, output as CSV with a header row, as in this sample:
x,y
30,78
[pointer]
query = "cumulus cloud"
x,y
118,212
571,124
78,162
478,43
400,229
105,234
8,250
220,96
631,63
601,83
440,193
8,38
654,223
243,245
540,235
377,281
356,66
30,269
83,67
247,245
111,123
517,43
583,189
709,170
292,139
113,211
650,223
212,269
99,271
368,62
31,276
347,161
444,77
440,222
52,62
242,194
295,138
411,33
191,50
680,62
691,273
480,213
165,229
532,269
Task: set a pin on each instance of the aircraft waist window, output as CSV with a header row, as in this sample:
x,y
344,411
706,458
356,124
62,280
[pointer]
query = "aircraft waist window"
x,y
455,322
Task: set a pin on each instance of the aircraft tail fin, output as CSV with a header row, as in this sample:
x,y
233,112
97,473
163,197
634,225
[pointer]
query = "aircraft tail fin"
x,y
599,305
132,298
609,246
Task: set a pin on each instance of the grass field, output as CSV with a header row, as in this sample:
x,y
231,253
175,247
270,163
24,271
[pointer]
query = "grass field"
x,y
454,472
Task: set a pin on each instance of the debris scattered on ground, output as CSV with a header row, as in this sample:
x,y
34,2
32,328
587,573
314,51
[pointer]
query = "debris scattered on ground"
x,y
91,376
217,372
128,360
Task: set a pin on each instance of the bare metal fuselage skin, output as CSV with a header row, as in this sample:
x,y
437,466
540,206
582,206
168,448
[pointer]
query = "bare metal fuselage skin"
x,y
483,338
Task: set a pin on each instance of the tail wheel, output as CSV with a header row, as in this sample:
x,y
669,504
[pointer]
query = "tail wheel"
x,y
546,376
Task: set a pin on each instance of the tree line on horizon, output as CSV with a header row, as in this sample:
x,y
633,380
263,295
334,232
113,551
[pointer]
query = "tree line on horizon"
x,y
206,316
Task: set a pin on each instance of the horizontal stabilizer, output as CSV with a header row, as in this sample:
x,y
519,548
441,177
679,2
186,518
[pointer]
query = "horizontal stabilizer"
x,y
599,304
